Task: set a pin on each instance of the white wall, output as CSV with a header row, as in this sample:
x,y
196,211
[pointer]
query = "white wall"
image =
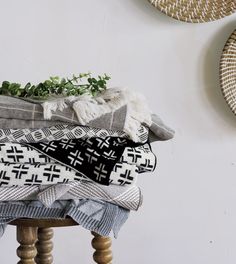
x,y
189,212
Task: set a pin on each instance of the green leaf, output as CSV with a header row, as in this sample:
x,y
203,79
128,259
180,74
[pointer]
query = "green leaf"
x,y
5,84
77,85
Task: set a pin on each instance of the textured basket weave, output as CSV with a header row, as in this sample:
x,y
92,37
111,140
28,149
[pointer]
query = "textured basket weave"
x,y
196,11
228,72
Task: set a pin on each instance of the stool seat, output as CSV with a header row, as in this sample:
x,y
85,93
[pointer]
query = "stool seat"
x,y
35,239
44,223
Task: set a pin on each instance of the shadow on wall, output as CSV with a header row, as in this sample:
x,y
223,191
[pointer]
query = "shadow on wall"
x,y
211,70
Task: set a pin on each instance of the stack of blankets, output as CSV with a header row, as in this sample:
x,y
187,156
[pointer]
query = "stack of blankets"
x,y
77,157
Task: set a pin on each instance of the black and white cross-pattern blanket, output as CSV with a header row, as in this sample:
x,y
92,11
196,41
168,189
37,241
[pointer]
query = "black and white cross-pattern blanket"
x,y
93,157
18,174
67,160
141,156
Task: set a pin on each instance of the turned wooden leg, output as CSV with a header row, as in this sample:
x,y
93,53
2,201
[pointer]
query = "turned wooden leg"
x,y
27,237
102,246
44,246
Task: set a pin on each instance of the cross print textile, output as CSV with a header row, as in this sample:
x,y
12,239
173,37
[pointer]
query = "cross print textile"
x,y
94,158
141,156
24,165
18,174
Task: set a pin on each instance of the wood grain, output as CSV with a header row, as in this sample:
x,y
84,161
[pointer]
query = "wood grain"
x,y
44,246
27,237
35,238
44,223
102,246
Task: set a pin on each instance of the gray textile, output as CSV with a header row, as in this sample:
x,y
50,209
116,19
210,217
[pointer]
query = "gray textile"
x,y
16,108
127,197
100,217
60,132
158,130
18,113
7,123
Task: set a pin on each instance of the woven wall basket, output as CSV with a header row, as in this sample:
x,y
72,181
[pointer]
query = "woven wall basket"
x,y
196,11
228,72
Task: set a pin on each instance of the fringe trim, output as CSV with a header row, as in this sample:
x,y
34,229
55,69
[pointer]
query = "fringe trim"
x,y
88,108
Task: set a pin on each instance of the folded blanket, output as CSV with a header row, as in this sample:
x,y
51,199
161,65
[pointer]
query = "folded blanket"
x,y
95,158
141,156
18,174
124,196
60,132
11,123
116,109
100,217
107,161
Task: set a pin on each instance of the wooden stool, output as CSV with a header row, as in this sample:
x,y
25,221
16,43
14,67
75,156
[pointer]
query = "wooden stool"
x,y
35,239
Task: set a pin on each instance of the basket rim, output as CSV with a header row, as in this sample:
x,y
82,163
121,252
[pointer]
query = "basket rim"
x,y
224,64
188,19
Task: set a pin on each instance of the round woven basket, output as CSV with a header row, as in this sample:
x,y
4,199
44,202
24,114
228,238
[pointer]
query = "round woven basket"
x,y
196,11
228,72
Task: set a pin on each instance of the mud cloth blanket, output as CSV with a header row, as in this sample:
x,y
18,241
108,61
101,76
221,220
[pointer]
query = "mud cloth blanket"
x,y
110,160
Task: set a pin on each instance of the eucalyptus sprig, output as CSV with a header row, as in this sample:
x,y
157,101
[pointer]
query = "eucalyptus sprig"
x,y
56,86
